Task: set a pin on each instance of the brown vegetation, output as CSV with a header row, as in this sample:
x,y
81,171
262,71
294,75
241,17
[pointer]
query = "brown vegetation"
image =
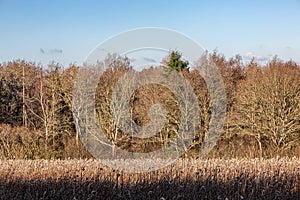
x,y
186,179
262,119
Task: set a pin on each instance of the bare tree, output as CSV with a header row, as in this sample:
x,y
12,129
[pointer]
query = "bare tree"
x,y
268,107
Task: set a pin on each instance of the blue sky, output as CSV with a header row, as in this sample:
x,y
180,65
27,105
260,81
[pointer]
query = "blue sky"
x,y
67,31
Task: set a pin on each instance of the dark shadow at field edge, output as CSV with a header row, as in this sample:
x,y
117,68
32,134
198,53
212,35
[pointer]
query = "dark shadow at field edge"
x,y
174,189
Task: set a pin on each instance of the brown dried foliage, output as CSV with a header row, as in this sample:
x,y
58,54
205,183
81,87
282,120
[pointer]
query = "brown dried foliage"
x,y
186,179
262,119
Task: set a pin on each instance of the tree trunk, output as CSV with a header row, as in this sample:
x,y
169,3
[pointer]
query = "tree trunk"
x,y
259,147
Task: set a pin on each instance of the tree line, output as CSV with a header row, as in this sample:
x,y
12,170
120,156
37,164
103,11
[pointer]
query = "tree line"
x,y
262,116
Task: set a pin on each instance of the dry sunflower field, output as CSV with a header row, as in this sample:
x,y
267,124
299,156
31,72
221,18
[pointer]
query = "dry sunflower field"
x,y
184,179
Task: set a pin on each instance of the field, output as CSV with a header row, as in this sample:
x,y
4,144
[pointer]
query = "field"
x,y
185,179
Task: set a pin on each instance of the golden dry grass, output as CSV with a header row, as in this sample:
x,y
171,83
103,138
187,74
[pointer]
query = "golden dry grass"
x,y
186,179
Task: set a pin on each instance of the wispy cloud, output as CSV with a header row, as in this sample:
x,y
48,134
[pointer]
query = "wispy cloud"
x,y
251,55
151,60
142,60
132,60
56,50
51,51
